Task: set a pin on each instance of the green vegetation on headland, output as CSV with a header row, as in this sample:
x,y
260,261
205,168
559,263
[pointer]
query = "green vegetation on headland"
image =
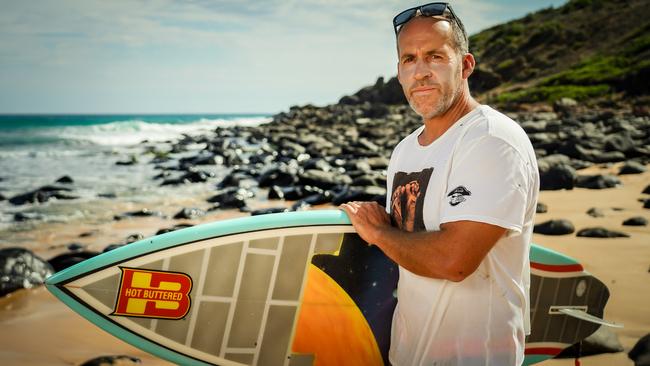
x,y
582,50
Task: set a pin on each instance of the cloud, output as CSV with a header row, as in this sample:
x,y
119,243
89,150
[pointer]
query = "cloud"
x,y
277,52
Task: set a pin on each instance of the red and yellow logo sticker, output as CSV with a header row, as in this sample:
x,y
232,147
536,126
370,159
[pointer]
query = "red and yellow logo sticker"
x,y
153,294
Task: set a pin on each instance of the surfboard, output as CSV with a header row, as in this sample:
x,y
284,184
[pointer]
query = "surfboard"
x,y
294,289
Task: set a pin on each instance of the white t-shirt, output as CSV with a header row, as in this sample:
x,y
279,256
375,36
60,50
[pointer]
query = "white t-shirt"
x,y
482,169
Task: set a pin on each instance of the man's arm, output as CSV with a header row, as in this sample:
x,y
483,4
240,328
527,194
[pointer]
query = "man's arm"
x,y
453,253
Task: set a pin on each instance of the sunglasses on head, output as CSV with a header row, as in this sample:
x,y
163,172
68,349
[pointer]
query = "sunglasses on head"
x,y
427,10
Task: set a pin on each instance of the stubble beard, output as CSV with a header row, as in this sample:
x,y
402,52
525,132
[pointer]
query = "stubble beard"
x,y
443,104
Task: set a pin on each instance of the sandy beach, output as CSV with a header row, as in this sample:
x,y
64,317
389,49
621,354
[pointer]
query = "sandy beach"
x,y
38,329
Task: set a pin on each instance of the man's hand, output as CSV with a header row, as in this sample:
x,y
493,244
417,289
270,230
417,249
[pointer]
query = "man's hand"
x,y
368,218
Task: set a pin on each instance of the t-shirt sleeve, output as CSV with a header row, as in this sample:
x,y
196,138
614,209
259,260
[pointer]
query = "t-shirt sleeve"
x,y
488,182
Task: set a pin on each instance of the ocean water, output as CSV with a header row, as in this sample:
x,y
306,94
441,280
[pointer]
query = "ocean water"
x,y
36,150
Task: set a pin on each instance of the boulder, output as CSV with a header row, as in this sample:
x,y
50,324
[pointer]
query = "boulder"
x,y
636,221
377,194
597,181
324,180
595,212
554,227
270,210
65,180
646,190
541,208
42,194
601,232
281,176
173,228
145,212
65,260
640,353
20,268
133,238
556,177
189,214
120,360
231,198
632,167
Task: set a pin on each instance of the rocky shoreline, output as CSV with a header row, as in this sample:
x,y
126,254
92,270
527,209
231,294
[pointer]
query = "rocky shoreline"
x,y
314,156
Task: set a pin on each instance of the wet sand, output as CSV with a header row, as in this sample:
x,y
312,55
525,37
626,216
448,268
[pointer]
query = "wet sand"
x,y
37,329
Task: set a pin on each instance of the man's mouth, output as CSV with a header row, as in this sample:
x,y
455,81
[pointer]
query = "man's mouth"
x,y
421,90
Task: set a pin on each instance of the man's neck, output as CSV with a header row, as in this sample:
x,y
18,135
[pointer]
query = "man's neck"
x,y
435,127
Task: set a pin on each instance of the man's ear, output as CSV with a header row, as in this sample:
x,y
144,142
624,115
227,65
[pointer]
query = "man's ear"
x,y
468,65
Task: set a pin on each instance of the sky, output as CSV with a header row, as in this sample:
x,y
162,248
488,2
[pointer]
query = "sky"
x,y
201,56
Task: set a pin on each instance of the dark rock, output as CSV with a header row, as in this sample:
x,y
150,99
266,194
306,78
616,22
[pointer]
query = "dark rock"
x,y
132,161
597,181
65,179
234,179
120,360
75,246
324,180
286,193
541,208
110,247
319,198
595,212
640,353
86,234
173,228
193,176
133,238
600,232
382,92
636,221
109,195
554,227
646,203
646,190
20,268
376,194
557,177
300,206
42,194
632,167
145,212
189,213
2,197
271,210
26,216
65,260
619,142
281,176
601,341
231,198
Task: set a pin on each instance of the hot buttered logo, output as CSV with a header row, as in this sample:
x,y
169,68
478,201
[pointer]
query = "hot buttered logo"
x,y
153,294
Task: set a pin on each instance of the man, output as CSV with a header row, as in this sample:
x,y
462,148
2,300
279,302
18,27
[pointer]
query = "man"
x,y
462,192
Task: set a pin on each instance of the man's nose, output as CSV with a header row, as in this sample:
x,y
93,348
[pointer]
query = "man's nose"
x,y
422,70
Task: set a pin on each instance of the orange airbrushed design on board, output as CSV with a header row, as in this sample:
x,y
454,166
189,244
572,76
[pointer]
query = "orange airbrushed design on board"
x,y
331,326
153,294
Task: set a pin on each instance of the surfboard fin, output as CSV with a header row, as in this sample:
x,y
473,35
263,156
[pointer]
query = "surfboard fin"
x,y
583,315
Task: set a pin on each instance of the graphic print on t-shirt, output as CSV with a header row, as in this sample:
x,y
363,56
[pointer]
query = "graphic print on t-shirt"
x,y
407,199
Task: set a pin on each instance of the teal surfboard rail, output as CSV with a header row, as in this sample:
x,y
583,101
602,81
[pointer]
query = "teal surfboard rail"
x,y
538,254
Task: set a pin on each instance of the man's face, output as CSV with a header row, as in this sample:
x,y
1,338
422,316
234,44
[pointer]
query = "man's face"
x,y
429,69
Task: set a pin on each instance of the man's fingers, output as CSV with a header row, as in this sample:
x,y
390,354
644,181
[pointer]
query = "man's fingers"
x,y
349,209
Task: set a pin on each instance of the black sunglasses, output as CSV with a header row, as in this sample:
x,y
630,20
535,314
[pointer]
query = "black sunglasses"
x,y
427,10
